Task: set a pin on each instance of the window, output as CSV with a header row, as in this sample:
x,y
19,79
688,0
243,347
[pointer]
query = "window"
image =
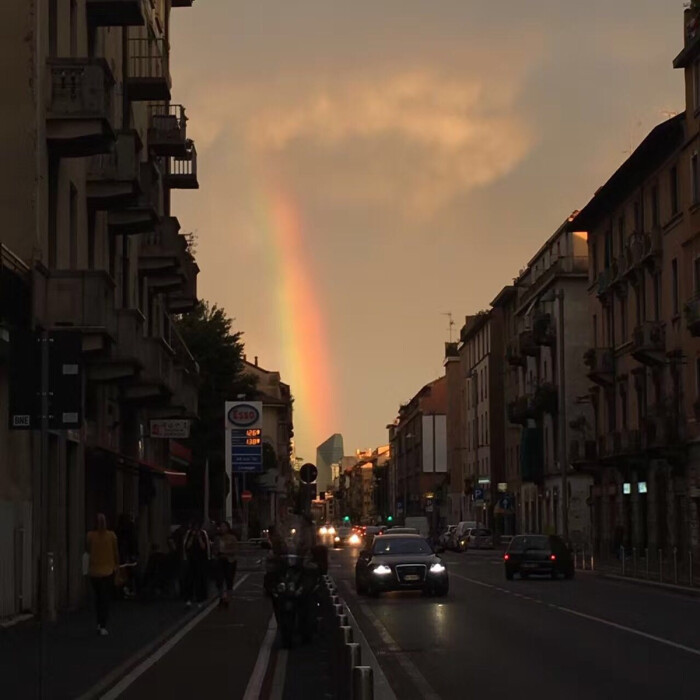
x,y
637,217
73,228
694,185
697,377
657,296
696,84
608,250
696,276
595,330
594,260
655,205
674,285
73,28
673,185
623,320
623,405
620,235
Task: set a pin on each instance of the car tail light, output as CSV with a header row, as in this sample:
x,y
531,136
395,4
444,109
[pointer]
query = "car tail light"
x,y
553,557
506,557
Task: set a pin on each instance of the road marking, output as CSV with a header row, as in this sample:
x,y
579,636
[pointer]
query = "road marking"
x,y
141,668
277,690
255,683
409,669
592,618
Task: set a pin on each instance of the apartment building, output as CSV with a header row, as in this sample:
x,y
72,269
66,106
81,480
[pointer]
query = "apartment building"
x,y
482,357
455,432
418,440
546,318
97,148
644,359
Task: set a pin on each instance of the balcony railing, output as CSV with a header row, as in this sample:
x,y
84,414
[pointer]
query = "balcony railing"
x,y
566,265
116,13
649,342
141,216
167,130
546,398
692,315
513,355
181,173
543,329
113,177
163,250
600,365
527,343
185,299
79,111
148,70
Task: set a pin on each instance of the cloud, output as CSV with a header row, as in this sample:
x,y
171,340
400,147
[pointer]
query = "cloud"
x,y
415,139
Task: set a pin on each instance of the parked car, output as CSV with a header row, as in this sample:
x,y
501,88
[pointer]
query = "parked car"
x,y
402,531
400,562
480,538
461,535
538,554
446,538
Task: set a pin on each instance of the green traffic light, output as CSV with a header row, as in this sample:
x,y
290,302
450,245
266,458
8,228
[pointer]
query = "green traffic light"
x,y
389,518
347,518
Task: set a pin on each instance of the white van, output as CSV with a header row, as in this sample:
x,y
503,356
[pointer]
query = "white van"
x,y
420,523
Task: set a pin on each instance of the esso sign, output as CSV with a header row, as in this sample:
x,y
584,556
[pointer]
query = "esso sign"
x,y
243,415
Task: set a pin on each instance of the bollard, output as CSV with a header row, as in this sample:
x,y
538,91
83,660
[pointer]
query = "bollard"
x,y
338,609
362,683
342,637
661,566
343,620
622,558
646,558
675,565
335,600
353,657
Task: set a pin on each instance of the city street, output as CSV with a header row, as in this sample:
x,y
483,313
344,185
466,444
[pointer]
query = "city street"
x,y
586,638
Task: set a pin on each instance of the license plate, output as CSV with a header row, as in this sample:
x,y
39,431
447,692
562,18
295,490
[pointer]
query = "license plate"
x,y
529,565
412,577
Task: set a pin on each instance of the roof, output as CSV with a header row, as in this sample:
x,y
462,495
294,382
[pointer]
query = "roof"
x,y
657,147
507,293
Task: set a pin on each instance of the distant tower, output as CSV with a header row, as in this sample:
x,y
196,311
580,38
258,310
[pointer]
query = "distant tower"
x,y
328,453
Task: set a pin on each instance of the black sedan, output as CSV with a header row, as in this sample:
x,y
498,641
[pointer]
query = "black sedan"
x,y
538,554
400,562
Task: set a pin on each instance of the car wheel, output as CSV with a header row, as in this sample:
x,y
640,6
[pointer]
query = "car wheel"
x,y
509,574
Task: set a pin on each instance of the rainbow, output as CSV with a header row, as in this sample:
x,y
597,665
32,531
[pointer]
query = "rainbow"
x,y
305,360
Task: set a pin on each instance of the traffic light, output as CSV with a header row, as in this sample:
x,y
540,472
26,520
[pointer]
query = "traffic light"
x,y
390,518
346,519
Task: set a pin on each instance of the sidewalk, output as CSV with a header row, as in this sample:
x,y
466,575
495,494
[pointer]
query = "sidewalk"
x,y
76,658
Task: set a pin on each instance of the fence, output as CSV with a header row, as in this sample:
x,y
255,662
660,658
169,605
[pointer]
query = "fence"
x,y
680,568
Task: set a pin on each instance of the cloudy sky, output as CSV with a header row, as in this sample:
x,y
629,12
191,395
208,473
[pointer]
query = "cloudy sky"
x,y
367,166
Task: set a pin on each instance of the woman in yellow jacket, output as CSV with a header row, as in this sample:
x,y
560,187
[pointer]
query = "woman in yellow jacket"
x,y
104,563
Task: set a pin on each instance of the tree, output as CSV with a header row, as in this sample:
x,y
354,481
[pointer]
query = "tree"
x,y
218,350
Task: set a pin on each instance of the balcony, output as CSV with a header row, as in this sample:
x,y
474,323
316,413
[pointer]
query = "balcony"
x,y
113,178
604,281
148,70
631,441
543,329
163,250
116,13
649,343
600,365
79,119
513,356
185,299
167,130
181,173
654,432
142,215
520,411
692,316
527,343
644,248
84,300
546,399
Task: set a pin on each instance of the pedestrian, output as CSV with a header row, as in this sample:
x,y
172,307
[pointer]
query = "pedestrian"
x,y
103,550
226,545
197,550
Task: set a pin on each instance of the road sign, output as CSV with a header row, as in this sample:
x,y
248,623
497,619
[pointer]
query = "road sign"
x,y
170,428
246,496
308,473
243,437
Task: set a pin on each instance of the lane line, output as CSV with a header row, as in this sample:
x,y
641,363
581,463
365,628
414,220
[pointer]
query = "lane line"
x,y
592,618
255,683
407,665
382,688
141,668
279,676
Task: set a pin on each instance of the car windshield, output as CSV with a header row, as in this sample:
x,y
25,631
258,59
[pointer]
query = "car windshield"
x,y
521,544
401,545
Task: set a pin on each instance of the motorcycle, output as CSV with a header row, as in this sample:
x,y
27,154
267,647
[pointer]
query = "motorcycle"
x,y
292,583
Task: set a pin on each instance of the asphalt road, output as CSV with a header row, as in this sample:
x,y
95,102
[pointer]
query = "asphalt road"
x,y
585,638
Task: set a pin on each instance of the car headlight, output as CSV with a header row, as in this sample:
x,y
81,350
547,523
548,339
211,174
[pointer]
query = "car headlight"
x,y
337,539
331,531
437,568
354,539
381,570
463,542
323,531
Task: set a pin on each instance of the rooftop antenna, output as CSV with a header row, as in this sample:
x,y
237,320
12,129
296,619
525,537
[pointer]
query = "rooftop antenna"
x,y
451,324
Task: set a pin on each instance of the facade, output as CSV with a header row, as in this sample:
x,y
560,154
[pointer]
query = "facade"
x,y
90,234
418,439
274,486
328,453
482,359
381,458
455,432
547,327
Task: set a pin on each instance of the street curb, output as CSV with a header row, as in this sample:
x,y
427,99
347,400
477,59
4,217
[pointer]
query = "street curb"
x,y
111,679
685,590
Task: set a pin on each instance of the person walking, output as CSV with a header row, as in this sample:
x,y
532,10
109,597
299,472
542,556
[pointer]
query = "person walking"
x,y
197,550
226,546
103,551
